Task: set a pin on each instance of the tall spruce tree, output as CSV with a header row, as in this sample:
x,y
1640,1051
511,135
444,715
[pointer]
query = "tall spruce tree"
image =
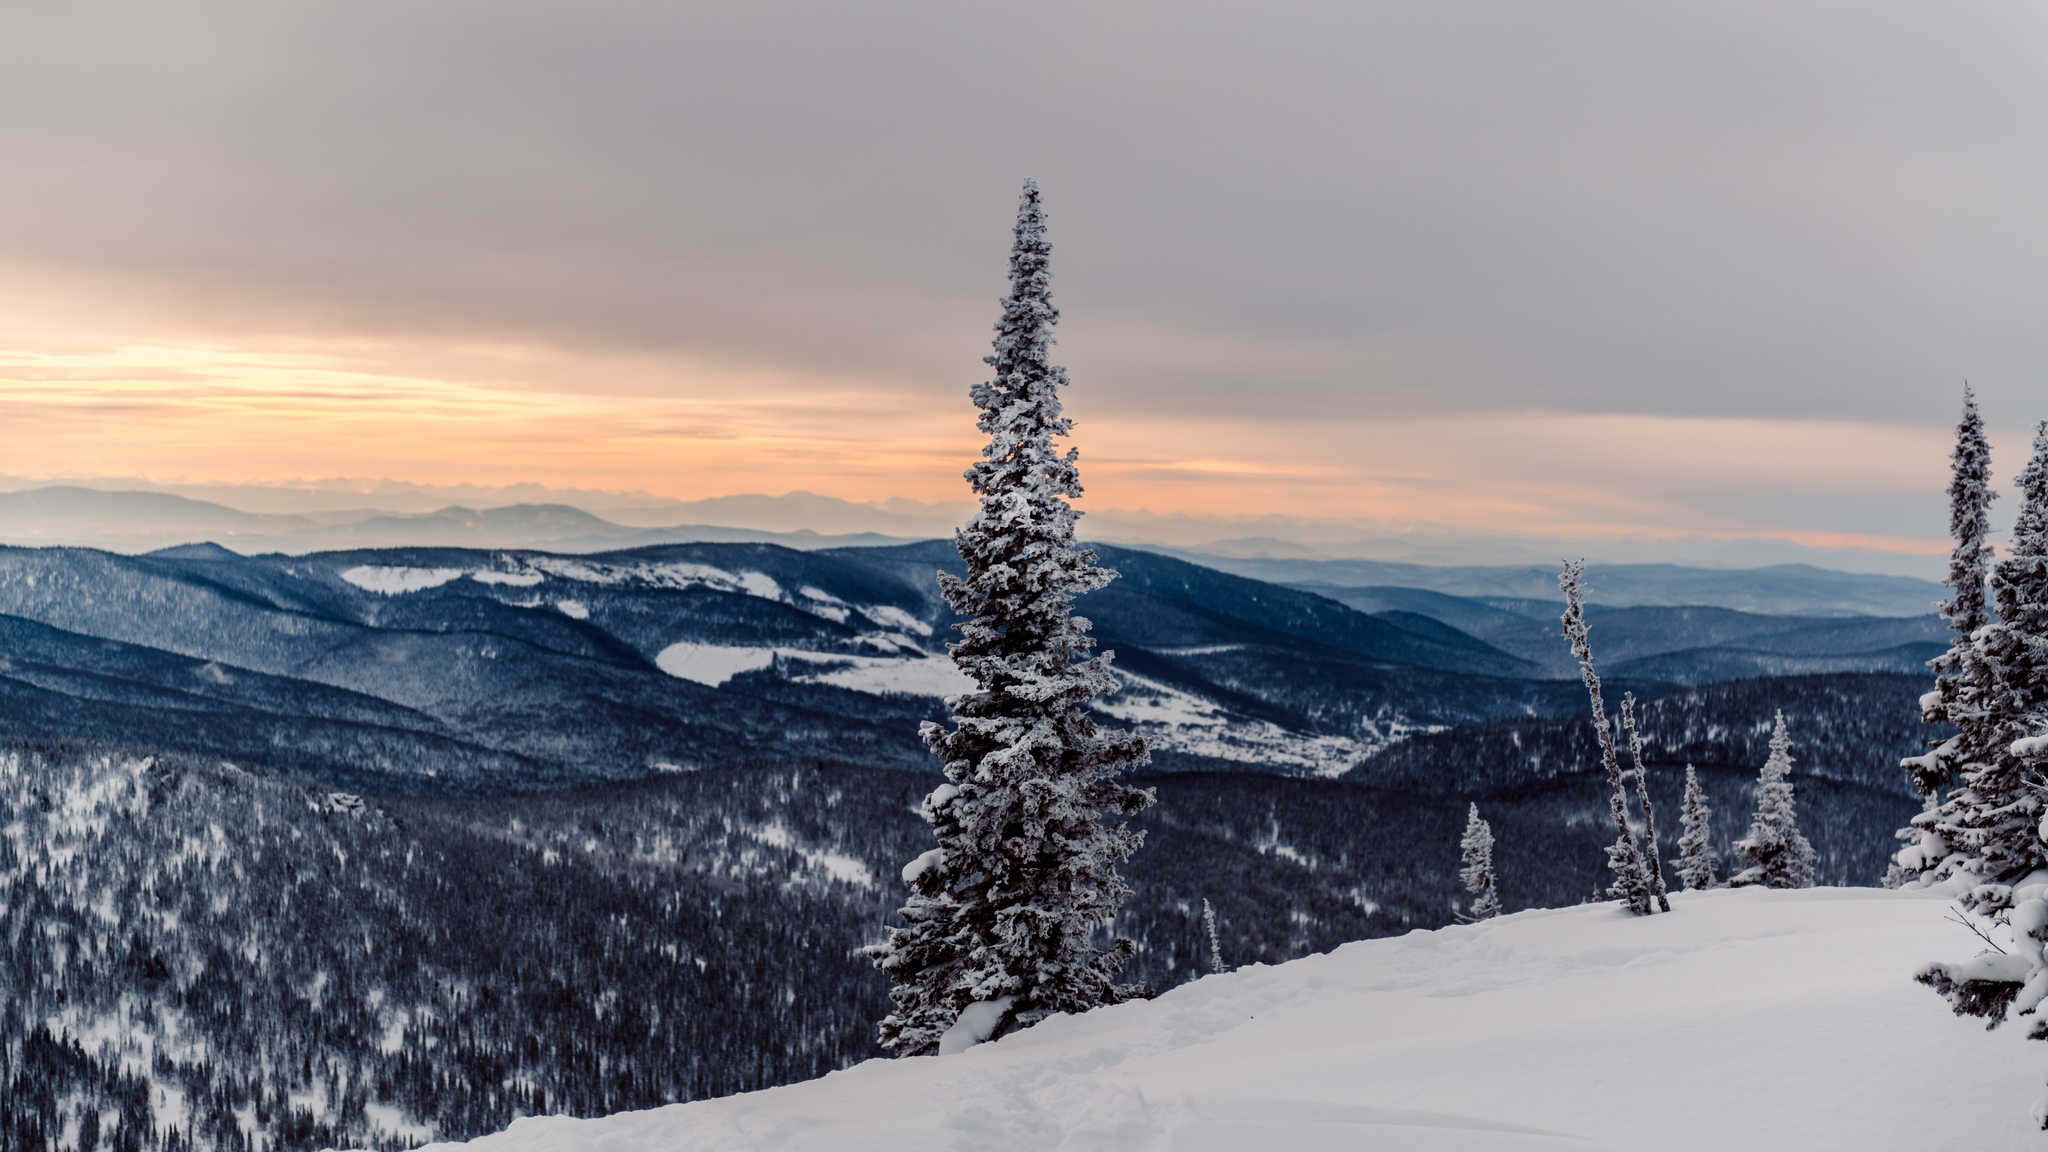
x,y
2024,580
1779,856
1966,609
1989,826
1994,689
1005,912
1631,880
1477,874
1697,860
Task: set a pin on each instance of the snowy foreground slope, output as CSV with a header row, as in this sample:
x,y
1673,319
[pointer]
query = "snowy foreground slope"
x,y
1744,1019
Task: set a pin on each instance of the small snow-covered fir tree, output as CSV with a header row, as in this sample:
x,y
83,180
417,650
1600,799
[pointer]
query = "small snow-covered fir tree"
x,y
1631,881
1995,690
1004,913
1642,773
1478,870
1697,860
1215,938
1778,855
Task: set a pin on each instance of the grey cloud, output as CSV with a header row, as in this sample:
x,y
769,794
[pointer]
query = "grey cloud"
x,y
1744,207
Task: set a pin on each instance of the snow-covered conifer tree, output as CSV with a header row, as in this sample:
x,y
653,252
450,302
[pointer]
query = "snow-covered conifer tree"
x,y
1966,610
1996,693
1696,857
1215,938
1778,854
1004,913
1631,881
1969,522
1651,862
1478,870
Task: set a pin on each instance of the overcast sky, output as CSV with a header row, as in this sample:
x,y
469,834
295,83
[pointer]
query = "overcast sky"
x,y
1648,267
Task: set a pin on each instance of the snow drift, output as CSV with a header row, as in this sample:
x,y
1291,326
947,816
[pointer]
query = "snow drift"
x,y
1743,1019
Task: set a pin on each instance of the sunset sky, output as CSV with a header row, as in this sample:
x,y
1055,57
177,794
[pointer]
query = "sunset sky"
x,y
1579,268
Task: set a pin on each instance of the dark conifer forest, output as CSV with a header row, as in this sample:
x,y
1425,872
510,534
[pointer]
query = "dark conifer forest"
x,y
207,956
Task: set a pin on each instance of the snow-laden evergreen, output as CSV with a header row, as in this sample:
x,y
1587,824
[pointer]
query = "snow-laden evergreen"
x,y
1477,873
1216,965
1999,983
1995,690
1651,862
1697,860
1007,909
1778,855
1969,524
1631,880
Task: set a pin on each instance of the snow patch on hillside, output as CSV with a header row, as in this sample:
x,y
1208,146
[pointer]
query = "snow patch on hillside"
x,y
1176,720
714,664
896,618
837,865
1742,1012
927,676
711,664
386,581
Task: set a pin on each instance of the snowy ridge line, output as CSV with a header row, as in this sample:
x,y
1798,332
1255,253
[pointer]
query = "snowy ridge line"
x,y
526,572
1745,1010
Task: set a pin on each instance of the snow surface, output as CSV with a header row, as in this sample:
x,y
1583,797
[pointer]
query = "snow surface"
x,y
711,664
892,617
1745,1018
714,664
929,676
393,581
515,579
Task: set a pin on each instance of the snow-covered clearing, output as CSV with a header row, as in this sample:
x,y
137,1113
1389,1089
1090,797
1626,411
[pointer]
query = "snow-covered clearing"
x,y
387,581
1179,721
1743,1019
925,676
711,664
714,664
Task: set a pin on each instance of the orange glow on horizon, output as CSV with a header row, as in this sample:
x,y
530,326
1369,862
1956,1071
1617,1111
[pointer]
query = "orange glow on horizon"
x,y
175,408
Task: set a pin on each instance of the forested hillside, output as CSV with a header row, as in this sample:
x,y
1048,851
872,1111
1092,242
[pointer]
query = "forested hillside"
x,y
1851,728
204,956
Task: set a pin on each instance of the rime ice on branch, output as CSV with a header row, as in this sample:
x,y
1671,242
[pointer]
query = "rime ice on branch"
x,y
1004,914
1631,883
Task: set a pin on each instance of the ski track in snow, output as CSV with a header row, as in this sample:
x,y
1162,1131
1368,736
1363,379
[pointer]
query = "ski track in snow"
x,y
1744,1019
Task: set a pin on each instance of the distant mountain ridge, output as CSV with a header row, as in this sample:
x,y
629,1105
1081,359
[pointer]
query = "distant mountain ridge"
x,y
300,510
441,669
150,521
1778,590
